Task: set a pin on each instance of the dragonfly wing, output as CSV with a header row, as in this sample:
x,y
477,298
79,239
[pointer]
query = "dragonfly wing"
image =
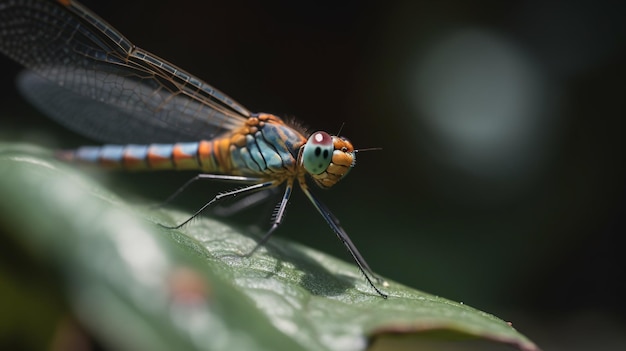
x,y
123,117
93,80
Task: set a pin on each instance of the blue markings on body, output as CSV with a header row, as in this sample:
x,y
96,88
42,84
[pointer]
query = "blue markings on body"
x,y
162,150
255,153
139,152
273,160
190,149
88,153
113,153
284,147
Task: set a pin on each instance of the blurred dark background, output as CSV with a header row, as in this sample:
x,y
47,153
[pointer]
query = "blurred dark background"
x,y
501,179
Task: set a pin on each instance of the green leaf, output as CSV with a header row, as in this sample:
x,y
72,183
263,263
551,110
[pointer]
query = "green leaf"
x,y
137,285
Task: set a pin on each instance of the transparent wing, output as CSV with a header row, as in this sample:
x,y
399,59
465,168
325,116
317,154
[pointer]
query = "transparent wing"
x,y
90,78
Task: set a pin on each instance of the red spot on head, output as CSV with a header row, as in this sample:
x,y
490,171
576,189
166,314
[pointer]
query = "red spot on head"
x,y
321,138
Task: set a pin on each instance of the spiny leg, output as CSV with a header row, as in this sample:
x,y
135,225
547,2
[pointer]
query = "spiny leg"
x,y
226,178
259,186
224,195
279,214
345,239
244,203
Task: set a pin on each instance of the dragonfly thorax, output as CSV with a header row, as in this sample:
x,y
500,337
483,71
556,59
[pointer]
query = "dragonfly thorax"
x,y
327,158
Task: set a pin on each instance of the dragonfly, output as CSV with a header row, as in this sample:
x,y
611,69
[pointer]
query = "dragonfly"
x,y
87,76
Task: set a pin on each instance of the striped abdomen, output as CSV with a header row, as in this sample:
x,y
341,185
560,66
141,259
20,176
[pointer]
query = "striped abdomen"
x,y
265,145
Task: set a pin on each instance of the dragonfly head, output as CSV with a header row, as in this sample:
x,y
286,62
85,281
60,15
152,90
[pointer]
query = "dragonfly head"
x,y
327,158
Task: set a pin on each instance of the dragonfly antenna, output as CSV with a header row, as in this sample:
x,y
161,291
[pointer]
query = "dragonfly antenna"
x,y
369,149
341,128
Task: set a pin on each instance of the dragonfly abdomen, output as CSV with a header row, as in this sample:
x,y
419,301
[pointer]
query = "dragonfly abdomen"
x,y
178,156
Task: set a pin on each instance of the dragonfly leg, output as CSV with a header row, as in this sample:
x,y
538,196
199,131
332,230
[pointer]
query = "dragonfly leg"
x,y
333,222
224,195
277,218
245,203
226,178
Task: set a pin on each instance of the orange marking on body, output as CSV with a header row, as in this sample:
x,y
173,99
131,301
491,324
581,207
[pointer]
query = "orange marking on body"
x,y
133,163
179,154
271,119
65,2
205,148
206,156
183,160
238,140
221,152
157,161
252,121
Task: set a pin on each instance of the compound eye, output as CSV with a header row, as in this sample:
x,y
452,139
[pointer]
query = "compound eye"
x,y
318,152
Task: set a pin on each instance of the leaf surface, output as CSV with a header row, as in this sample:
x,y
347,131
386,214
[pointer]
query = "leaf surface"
x,y
137,285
